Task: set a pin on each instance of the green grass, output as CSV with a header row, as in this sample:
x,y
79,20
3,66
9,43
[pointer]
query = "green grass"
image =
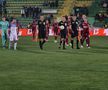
x,y
29,68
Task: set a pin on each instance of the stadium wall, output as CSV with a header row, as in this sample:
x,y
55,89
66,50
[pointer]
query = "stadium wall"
x,y
93,32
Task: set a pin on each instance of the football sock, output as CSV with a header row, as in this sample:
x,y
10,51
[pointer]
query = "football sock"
x,y
63,44
10,45
43,42
15,45
55,37
66,40
88,41
72,42
82,40
40,44
60,42
77,44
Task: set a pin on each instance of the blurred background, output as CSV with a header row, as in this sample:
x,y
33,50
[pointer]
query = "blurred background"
x,y
27,10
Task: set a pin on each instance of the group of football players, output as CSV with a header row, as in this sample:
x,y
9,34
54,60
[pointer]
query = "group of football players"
x,y
73,27
70,27
9,31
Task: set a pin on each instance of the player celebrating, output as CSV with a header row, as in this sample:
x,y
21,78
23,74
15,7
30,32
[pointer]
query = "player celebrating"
x,y
4,28
85,34
63,31
13,34
74,33
41,32
55,29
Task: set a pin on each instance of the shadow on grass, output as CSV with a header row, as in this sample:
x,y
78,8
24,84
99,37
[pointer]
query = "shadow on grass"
x,y
53,52
34,51
77,52
97,51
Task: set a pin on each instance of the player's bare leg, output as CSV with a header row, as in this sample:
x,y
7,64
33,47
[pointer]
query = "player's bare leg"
x,y
34,36
88,42
82,41
55,38
67,44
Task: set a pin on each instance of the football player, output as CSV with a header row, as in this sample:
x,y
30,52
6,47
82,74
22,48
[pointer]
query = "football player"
x,y
41,31
63,31
74,33
4,31
13,34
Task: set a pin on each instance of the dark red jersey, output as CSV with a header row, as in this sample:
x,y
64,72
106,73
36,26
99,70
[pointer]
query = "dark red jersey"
x,y
55,25
33,25
47,26
85,25
85,30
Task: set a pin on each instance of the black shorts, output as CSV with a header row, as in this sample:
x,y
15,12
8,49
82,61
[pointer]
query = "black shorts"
x,y
74,34
42,35
63,34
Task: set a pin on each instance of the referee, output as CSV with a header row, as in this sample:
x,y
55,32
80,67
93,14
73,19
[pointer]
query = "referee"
x,y
41,31
74,33
63,31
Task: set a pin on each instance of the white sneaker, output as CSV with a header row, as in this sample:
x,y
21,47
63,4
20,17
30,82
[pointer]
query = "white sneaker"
x,y
55,41
70,44
67,44
15,49
82,46
88,47
46,40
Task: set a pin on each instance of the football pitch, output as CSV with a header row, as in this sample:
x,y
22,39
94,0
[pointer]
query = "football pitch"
x,y
29,68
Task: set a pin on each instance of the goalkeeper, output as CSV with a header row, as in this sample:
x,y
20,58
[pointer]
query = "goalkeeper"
x,y
4,30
